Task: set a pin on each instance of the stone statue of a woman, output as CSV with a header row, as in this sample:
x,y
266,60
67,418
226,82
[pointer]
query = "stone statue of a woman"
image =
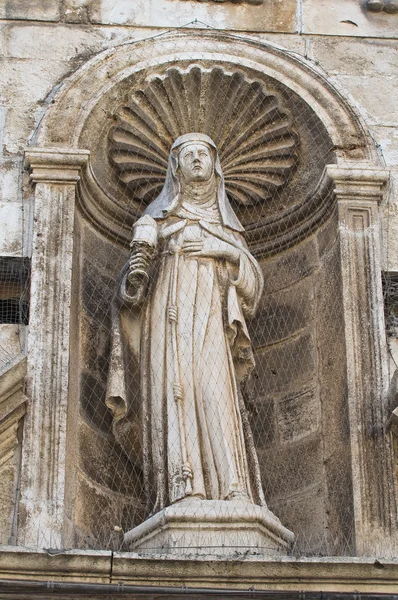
x,y
186,293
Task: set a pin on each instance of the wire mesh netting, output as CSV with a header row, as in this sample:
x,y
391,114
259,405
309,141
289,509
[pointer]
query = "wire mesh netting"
x,y
172,410
211,353
14,307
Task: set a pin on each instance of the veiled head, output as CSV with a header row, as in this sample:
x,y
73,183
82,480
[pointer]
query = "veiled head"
x,y
195,161
207,165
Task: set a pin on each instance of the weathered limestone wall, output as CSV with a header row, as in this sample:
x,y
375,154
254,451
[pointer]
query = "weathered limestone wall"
x,y
41,44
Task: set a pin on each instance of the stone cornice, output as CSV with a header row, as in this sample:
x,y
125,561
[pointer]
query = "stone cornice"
x,y
58,165
310,574
357,181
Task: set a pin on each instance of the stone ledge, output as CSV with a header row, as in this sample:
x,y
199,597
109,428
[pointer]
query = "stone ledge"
x,y
342,574
74,565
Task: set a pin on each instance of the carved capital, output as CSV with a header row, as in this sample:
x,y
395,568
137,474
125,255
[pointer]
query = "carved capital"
x,y
55,165
358,182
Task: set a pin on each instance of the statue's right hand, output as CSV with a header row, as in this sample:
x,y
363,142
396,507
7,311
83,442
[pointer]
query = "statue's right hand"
x,y
132,289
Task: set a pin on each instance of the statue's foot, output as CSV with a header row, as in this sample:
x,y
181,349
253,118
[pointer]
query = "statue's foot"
x,y
239,495
191,497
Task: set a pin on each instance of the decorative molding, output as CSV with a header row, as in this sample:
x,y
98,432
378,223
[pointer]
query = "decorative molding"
x,y
337,574
389,6
357,181
55,165
54,173
12,410
65,120
359,191
252,129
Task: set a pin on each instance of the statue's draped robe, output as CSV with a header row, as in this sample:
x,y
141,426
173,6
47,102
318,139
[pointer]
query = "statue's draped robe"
x,y
193,350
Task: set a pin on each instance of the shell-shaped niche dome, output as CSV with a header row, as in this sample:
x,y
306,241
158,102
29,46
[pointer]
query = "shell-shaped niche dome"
x,y
254,133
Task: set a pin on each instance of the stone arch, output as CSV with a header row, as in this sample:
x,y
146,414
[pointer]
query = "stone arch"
x,y
65,118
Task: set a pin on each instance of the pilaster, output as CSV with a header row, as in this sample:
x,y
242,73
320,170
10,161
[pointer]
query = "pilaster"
x,y
358,191
54,175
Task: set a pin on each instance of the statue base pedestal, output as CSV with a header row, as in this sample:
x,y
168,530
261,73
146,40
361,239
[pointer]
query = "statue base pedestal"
x,y
211,528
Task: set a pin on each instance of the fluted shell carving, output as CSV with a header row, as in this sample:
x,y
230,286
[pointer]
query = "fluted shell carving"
x,y
253,131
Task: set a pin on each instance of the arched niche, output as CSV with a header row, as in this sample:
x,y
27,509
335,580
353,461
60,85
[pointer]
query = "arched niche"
x,y
303,404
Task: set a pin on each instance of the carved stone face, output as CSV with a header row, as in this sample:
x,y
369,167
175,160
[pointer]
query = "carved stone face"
x,y
196,162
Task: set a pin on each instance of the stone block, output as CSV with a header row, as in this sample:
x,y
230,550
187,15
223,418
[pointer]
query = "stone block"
x,y
286,269
287,469
103,461
351,56
387,140
93,403
390,225
285,366
282,314
211,528
61,42
11,229
273,15
8,473
98,291
262,419
98,511
298,416
12,410
334,402
371,99
313,573
34,10
77,11
346,18
94,346
24,86
327,236
10,179
294,43
3,114
305,512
